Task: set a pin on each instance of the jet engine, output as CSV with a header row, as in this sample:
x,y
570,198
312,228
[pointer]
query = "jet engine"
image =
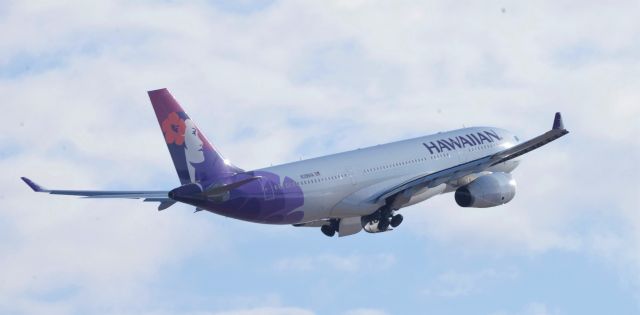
x,y
487,191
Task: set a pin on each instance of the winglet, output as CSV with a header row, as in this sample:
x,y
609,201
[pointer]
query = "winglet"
x,y
557,122
33,185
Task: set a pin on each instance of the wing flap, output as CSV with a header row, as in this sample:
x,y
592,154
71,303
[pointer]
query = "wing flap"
x,y
434,179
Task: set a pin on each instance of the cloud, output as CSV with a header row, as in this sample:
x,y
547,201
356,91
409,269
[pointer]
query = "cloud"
x,y
532,309
454,284
63,255
365,311
268,311
349,263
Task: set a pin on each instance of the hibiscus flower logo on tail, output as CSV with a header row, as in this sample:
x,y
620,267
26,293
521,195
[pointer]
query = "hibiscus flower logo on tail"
x,y
173,128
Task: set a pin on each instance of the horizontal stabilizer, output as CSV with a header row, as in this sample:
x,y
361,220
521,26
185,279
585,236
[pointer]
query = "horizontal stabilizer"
x,y
219,190
148,195
165,204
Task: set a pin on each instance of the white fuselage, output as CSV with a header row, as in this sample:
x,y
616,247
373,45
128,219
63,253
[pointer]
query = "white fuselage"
x,y
337,185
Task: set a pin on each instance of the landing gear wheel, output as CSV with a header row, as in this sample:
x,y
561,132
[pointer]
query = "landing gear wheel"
x,y
383,225
328,230
396,220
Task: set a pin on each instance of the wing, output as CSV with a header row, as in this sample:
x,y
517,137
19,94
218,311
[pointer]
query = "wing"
x,y
453,173
147,195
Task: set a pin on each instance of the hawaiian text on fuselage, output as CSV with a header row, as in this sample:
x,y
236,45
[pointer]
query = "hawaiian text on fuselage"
x,y
459,142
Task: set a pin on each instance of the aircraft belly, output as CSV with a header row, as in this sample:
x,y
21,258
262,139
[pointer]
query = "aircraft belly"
x,y
425,194
317,205
505,167
349,204
348,208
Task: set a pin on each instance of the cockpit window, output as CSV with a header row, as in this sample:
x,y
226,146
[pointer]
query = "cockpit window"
x,y
516,137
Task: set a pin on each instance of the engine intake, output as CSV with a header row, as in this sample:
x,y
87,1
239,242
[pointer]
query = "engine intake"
x,y
487,191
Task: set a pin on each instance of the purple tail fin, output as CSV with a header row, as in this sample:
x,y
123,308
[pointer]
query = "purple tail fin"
x,y
195,159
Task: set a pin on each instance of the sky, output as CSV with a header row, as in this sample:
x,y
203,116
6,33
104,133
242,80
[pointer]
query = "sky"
x,y
275,81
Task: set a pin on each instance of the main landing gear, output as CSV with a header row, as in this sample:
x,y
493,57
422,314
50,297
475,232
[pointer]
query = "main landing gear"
x,y
381,220
377,222
387,218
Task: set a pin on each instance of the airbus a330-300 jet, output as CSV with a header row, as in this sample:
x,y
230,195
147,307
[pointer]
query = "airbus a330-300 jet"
x,y
341,193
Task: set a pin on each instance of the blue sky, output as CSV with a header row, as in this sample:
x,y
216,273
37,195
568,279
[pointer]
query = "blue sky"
x,y
274,81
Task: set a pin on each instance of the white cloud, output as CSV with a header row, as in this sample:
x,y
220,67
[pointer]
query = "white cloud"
x,y
95,252
264,310
349,263
268,311
365,311
533,308
455,284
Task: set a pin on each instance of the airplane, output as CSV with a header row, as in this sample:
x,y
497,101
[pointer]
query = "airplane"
x,y
341,193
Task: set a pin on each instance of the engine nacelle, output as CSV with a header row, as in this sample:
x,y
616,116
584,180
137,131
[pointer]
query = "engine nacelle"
x,y
487,191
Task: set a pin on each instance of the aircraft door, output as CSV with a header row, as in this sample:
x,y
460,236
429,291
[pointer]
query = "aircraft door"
x,y
351,176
